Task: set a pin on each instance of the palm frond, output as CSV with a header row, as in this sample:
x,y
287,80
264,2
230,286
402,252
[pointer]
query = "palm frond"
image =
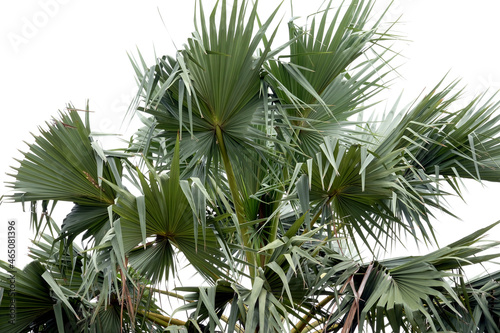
x,y
63,155
160,219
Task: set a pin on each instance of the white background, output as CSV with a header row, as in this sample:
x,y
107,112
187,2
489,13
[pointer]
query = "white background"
x,y
56,52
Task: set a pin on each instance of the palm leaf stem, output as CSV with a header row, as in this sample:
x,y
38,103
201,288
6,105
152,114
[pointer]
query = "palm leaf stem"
x,y
318,214
161,319
176,295
276,219
316,324
307,318
170,293
238,205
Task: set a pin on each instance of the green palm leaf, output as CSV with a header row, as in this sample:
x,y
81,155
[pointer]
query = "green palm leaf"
x,y
254,171
163,213
63,155
357,187
34,304
65,164
407,290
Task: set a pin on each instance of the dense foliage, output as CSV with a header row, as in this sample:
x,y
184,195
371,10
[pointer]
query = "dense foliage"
x,y
252,167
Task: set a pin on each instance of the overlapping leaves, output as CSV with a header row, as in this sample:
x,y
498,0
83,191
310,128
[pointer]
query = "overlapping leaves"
x,y
160,220
46,295
395,294
214,84
64,164
272,168
352,190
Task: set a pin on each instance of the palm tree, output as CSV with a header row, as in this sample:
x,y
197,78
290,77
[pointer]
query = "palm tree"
x,y
251,167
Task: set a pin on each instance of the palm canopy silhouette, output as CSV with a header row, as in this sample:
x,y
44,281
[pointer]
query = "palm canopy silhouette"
x,y
251,167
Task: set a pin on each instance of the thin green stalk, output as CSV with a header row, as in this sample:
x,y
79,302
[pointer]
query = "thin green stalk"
x,y
172,294
315,324
307,318
169,293
162,320
275,220
238,205
318,214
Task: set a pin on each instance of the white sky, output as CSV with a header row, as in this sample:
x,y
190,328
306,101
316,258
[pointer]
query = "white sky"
x,y
53,52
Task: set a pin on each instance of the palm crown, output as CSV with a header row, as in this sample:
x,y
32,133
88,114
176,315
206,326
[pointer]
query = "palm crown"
x,y
251,167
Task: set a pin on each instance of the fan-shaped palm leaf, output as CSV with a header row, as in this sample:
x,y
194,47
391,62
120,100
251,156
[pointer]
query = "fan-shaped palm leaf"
x,y
65,164
163,213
